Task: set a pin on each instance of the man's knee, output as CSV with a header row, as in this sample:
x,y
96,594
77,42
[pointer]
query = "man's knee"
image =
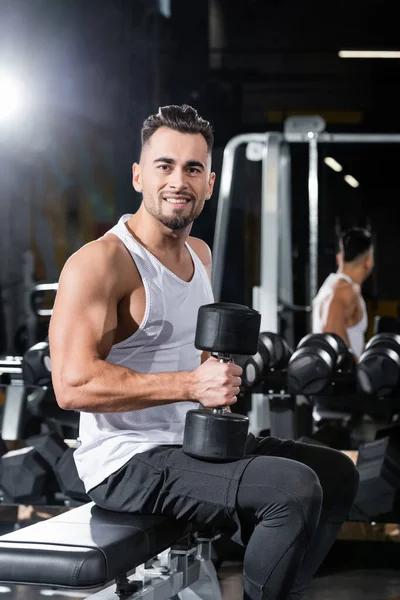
x,y
307,491
281,489
303,495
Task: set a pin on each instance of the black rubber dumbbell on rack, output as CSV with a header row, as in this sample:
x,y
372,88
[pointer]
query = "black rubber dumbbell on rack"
x,y
224,329
346,362
378,369
42,406
313,363
273,354
42,472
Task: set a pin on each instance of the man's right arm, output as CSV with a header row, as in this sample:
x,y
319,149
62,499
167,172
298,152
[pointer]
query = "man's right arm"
x,y
81,335
339,311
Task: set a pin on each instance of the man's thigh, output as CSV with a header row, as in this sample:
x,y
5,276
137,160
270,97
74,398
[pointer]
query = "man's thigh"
x,y
165,481
336,472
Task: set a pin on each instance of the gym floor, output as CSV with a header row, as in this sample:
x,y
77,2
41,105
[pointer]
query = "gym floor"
x,y
351,585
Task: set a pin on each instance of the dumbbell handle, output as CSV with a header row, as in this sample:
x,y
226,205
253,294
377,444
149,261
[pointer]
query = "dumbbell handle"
x,y
224,358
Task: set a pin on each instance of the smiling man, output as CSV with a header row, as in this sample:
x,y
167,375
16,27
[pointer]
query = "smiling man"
x,y
122,347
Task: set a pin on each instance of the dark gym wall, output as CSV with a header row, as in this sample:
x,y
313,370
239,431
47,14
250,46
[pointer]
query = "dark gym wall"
x,y
97,69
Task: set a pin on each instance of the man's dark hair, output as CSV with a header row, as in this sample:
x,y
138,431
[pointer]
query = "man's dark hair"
x,y
184,119
354,242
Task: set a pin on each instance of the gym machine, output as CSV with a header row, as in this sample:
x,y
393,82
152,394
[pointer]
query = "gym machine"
x,y
273,298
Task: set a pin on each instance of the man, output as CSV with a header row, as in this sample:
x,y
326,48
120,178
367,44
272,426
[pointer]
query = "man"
x,y
339,306
122,348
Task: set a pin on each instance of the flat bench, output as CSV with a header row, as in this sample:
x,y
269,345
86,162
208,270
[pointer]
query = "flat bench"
x,y
88,547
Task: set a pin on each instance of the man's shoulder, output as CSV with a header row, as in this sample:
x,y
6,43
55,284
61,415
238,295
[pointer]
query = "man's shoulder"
x,y
103,259
345,290
201,249
104,250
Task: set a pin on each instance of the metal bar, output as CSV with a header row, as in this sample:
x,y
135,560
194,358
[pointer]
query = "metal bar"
x,y
282,416
44,312
45,287
13,412
224,205
42,287
313,214
347,138
158,588
268,290
30,315
285,276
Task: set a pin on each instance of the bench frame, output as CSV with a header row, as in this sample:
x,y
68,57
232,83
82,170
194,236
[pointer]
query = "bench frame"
x,y
186,562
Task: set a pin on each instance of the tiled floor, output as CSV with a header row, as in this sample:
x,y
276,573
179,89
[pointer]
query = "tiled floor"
x,y
352,585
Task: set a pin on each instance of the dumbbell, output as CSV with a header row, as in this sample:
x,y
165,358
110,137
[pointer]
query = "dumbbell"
x,y
313,363
224,329
346,361
378,370
36,365
40,470
273,353
26,474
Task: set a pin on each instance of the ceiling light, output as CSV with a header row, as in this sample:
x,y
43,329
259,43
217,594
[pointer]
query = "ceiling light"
x,y
351,181
11,96
333,164
369,53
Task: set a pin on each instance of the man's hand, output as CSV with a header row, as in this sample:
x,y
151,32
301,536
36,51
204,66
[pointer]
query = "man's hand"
x,y
216,384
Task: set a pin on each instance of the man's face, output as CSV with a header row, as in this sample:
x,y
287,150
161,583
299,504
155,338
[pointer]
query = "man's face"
x,y
174,177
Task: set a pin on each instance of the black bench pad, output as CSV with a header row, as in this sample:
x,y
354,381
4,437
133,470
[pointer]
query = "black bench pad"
x,y
84,547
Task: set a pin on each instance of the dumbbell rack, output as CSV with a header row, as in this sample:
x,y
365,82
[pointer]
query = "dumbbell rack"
x,y
291,416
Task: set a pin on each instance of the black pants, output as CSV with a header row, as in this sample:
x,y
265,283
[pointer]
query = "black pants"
x,y
285,501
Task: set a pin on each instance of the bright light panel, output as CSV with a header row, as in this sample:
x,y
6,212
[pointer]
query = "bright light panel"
x,y
333,164
351,181
11,96
369,54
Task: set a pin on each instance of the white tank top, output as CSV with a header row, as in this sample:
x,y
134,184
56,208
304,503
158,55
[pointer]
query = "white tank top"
x,y
164,342
320,307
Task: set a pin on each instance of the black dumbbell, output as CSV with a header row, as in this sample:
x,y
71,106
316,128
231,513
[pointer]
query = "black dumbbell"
x,y
224,329
313,363
60,458
378,370
36,365
26,475
346,361
273,353
40,471
378,466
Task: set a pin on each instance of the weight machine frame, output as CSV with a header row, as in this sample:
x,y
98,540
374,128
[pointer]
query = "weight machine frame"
x,y
275,292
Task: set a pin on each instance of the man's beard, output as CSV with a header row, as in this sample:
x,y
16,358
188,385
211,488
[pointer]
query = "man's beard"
x,y
174,221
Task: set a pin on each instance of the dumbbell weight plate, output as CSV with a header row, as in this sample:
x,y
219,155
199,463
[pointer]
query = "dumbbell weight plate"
x,y
378,371
228,328
309,373
216,437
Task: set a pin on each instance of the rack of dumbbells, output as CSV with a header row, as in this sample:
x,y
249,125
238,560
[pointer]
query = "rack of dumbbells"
x,y
37,437
318,393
